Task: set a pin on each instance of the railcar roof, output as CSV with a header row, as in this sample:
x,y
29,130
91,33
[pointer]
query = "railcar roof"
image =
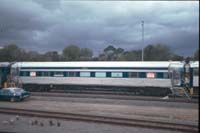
x,y
156,64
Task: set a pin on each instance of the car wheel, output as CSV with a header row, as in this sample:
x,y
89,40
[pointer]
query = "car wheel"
x,y
12,99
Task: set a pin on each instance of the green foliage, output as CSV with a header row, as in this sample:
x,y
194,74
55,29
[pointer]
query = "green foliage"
x,y
175,57
85,54
11,53
157,52
52,56
71,53
152,52
109,49
134,55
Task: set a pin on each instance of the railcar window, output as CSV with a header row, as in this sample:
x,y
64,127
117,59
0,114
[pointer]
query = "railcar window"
x,y
150,75
39,73
100,74
24,73
72,74
159,75
46,74
84,74
116,74
177,76
32,74
58,74
165,75
133,74
142,75
196,72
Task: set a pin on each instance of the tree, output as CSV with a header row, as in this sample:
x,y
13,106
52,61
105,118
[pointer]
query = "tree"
x,y
102,57
109,53
34,56
110,49
10,53
85,54
71,53
134,55
175,57
119,51
157,52
52,56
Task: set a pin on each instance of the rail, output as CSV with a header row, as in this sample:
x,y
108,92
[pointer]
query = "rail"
x,y
111,96
102,119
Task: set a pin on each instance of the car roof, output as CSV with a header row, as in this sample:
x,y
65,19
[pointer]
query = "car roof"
x,y
11,88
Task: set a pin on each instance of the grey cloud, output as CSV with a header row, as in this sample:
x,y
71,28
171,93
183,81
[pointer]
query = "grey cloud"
x,y
44,25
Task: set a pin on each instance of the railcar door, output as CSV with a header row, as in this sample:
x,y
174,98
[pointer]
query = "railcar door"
x,y
195,81
195,77
176,74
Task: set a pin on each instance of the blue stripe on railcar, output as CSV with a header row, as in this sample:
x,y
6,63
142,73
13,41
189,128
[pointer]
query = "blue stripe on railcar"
x,y
108,74
159,75
92,74
77,74
125,74
39,73
51,74
142,75
65,74
24,73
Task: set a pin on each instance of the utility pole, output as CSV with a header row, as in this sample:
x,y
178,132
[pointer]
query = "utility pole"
x,y
142,40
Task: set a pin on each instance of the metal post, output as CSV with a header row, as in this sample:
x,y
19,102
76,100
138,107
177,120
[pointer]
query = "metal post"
x,y
142,40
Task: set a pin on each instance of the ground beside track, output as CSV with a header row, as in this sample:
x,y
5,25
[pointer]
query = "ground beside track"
x,y
116,96
118,101
151,110
23,125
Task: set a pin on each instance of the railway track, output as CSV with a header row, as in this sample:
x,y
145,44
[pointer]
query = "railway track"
x,y
112,96
102,119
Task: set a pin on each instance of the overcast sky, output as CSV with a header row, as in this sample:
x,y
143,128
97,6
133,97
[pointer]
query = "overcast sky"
x,y
47,25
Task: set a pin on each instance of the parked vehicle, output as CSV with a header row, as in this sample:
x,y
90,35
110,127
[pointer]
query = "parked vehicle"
x,y
13,94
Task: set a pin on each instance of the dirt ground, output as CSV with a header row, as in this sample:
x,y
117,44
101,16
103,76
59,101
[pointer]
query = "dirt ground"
x,y
23,125
154,110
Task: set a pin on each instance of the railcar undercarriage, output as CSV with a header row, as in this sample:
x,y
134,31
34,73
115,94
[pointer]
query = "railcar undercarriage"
x,y
150,91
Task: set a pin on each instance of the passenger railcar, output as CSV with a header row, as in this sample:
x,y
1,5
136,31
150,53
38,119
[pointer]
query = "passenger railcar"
x,y
137,77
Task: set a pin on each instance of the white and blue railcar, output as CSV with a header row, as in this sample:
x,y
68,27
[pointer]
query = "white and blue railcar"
x,y
130,75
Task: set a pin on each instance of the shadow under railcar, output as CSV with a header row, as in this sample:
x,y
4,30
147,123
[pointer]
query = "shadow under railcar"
x,y
143,91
